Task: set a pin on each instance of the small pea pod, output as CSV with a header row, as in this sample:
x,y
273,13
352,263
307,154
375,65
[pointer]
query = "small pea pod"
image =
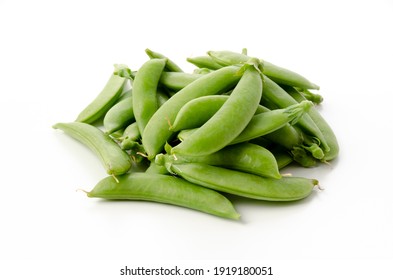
x,y
177,80
114,159
157,132
145,91
130,136
119,116
164,189
104,100
204,62
230,119
245,184
170,65
245,157
274,72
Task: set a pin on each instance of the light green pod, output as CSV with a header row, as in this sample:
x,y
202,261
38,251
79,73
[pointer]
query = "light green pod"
x,y
114,159
164,189
177,80
144,91
170,64
130,136
230,119
104,101
204,62
119,116
244,157
245,184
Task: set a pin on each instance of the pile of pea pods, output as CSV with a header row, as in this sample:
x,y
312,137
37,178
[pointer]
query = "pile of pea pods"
x,y
190,139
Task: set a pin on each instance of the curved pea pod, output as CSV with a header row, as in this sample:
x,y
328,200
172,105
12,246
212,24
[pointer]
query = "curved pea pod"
x,y
245,184
244,157
268,122
279,97
144,95
323,126
274,72
230,119
114,159
157,132
164,189
104,100
204,62
177,80
119,116
170,64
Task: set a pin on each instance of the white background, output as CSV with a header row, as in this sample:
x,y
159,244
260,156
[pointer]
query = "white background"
x,y
55,56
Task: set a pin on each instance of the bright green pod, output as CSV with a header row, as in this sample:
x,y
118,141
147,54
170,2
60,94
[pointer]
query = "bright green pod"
x,y
177,80
276,73
245,184
273,120
144,91
170,65
119,116
244,157
157,132
230,119
114,159
164,189
130,136
204,62
104,100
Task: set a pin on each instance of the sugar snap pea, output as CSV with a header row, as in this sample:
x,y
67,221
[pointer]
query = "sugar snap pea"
x,y
204,62
144,96
114,159
130,136
157,132
103,101
164,189
245,184
119,116
177,80
230,119
245,157
169,66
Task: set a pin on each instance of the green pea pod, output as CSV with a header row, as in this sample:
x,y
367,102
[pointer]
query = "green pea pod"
x,y
164,189
204,62
245,184
324,127
279,97
276,73
245,157
177,80
119,116
230,119
157,132
145,91
157,169
114,159
170,65
130,136
104,101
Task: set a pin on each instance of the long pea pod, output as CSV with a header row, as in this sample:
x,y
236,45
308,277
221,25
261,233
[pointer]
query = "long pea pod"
x,y
274,72
177,80
204,62
114,159
230,119
164,189
144,96
245,184
103,101
170,64
245,157
157,132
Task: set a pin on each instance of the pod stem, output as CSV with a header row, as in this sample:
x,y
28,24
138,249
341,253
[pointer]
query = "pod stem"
x,y
296,111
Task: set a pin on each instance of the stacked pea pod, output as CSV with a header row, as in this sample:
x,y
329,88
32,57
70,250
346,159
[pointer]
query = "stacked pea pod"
x,y
227,128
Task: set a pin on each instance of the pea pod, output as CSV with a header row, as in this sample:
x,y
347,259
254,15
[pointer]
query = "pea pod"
x,y
245,184
245,157
119,116
164,189
170,65
274,72
145,91
204,62
130,136
104,100
177,80
114,159
157,132
230,119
